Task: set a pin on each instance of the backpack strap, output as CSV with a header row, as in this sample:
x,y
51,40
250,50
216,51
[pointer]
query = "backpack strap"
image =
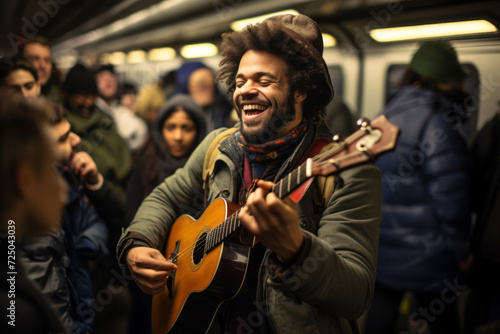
x,y
212,153
325,185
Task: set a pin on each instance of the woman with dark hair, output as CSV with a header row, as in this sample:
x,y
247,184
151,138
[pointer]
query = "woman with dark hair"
x,y
178,129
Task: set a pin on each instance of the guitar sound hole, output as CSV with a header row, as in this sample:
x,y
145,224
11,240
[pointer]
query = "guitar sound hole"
x,y
199,249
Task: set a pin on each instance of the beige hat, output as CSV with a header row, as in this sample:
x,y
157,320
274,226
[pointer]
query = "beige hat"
x,y
306,31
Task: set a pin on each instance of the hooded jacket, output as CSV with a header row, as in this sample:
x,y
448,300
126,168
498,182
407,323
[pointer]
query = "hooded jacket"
x,y
333,278
425,189
155,152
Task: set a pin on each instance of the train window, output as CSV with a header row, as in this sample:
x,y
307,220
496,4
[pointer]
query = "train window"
x,y
395,73
337,76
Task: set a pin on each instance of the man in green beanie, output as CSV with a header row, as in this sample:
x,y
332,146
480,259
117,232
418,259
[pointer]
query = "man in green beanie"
x,y
97,130
426,214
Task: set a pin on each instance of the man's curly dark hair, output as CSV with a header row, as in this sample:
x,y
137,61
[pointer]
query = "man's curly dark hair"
x,y
306,74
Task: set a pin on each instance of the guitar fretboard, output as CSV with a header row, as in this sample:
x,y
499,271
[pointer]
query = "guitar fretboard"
x,y
282,189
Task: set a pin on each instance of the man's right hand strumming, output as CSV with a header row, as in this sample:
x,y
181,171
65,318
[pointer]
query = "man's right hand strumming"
x,y
149,268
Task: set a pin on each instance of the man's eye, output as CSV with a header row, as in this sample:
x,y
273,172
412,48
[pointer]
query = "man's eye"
x,y
240,84
29,86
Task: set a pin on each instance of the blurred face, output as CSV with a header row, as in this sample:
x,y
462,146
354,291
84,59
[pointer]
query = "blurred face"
x,y
201,86
23,82
40,57
264,101
106,84
84,103
46,197
179,133
66,141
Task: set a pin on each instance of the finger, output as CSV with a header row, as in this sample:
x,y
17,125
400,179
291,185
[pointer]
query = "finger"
x,y
151,274
156,265
155,261
268,185
248,221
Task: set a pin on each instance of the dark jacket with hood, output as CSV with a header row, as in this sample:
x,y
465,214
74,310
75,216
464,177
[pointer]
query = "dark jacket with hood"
x,y
425,189
153,162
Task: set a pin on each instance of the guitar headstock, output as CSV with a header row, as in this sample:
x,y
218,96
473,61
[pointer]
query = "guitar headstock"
x,y
366,144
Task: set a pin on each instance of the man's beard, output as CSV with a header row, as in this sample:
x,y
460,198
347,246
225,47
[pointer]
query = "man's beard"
x,y
273,125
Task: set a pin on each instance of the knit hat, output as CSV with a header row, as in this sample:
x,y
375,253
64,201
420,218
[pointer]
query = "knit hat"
x,y
306,32
183,73
438,60
103,68
80,80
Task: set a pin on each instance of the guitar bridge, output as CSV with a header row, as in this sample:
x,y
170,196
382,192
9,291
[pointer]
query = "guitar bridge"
x,y
171,279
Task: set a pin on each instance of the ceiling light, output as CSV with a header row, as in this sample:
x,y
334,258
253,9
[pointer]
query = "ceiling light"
x,y
240,24
328,40
117,58
433,30
199,50
136,57
161,54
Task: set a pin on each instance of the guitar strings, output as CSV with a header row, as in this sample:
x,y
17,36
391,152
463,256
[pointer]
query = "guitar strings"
x,y
201,242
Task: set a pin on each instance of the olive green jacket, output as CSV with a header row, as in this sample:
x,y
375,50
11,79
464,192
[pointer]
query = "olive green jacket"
x,y
332,280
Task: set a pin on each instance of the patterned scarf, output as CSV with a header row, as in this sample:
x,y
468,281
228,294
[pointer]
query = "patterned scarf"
x,y
266,159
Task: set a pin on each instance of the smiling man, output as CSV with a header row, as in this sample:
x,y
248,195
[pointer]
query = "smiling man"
x,y
38,52
313,268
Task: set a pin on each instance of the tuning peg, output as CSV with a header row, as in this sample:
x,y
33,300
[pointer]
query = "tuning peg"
x,y
363,122
336,138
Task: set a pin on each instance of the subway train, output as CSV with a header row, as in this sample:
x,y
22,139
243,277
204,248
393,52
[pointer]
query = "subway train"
x,y
146,39
368,45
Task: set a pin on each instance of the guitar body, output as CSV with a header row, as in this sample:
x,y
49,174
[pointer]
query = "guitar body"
x,y
202,281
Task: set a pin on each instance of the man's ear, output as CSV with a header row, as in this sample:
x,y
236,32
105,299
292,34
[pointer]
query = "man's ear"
x,y
299,97
25,180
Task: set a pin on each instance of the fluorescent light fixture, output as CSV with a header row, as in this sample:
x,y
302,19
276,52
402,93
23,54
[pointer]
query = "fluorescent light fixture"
x,y
136,57
161,54
328,40
199,50
117,58
433,30
240,24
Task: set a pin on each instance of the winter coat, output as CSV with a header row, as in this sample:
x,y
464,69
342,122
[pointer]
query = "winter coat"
x,y
334,277
425,190
59,263
100,139
24,308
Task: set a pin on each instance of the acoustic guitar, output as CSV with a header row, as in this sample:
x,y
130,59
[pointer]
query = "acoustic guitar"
x,y
212,257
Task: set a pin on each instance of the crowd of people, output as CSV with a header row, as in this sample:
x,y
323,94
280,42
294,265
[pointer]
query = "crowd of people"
x,y
95,173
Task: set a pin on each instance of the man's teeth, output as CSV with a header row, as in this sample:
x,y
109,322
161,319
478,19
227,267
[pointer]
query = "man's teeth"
x,y
256,107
